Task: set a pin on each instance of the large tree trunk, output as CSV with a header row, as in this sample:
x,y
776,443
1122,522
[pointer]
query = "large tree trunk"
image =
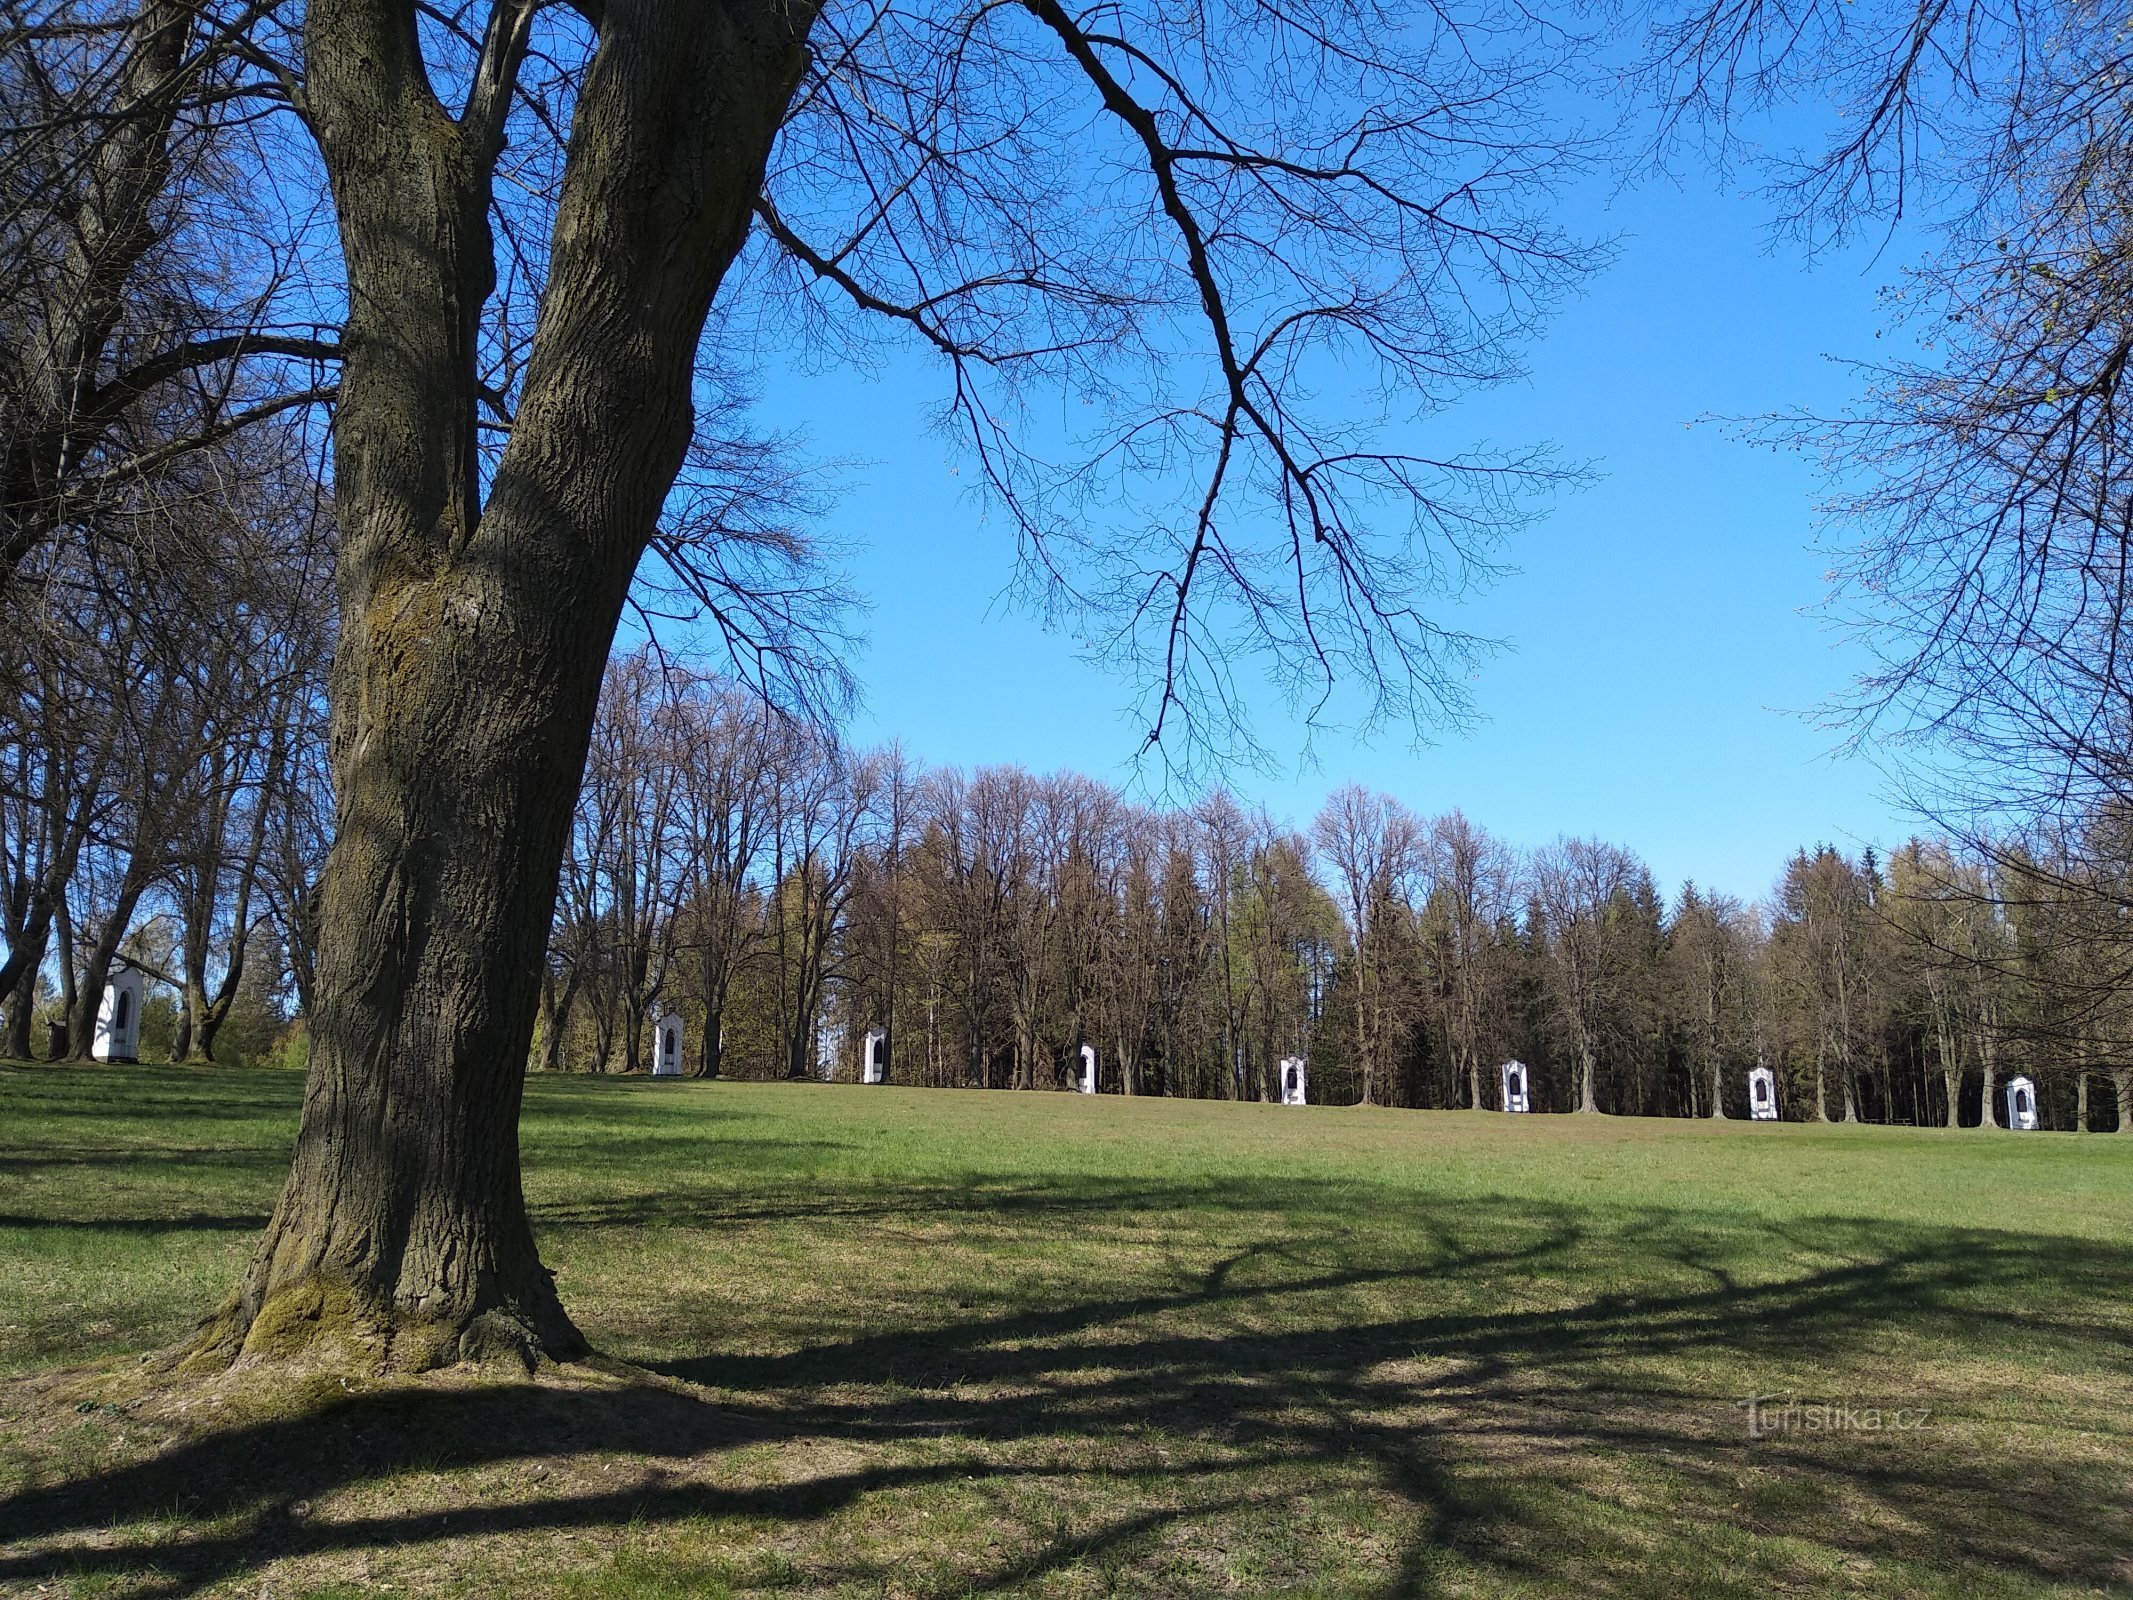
x,y
402,1221
472,637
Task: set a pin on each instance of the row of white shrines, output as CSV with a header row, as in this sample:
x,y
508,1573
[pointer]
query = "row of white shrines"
x,y
1295,1080
118,1025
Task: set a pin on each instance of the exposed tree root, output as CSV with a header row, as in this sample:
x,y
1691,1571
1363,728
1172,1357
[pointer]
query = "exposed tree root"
x,y
325,1323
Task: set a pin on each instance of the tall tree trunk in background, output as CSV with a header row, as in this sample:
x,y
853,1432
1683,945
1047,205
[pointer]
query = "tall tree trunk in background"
x,y
1714,1052
69,830
1951,1059
472,637
214,1010
63,927
1988,1059
561,1008
2122,1080
711,1049
1365,1061
22,1005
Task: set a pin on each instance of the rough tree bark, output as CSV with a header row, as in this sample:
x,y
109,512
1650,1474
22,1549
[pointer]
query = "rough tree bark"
x,y
1588,1079
473,635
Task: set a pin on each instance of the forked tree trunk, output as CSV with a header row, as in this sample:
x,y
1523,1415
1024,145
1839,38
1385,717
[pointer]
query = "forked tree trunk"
x,y
472,636
22,1001
711,1049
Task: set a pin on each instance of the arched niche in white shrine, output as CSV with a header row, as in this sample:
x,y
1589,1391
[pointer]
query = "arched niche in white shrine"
x,y
1517,1086
118,1014
666,1047
1295,1082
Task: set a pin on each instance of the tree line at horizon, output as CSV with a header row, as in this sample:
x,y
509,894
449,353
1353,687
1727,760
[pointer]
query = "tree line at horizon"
x,y
783,892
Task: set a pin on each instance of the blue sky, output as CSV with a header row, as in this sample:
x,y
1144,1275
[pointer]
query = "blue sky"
x,y
1663,664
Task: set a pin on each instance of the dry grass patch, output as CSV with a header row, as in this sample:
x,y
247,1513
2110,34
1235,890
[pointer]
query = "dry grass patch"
x,y
937,1345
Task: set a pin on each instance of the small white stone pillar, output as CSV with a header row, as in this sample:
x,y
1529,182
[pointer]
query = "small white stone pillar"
x,y
1295,1084
1085,1080
1517,1086
118,1015
1762,1094
2021,1105
666,1046
874,1058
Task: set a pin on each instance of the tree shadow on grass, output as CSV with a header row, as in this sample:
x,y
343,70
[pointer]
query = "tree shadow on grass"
x,y
175,1222
1272,1390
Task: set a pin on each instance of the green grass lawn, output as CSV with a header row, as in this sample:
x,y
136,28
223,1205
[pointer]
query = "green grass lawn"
x,y
883,1342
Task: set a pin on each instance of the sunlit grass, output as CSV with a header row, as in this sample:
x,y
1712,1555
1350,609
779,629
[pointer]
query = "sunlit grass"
x,y
912,1343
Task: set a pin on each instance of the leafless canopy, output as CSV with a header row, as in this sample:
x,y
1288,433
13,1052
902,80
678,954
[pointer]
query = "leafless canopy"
x,y
1249,245
1981,489
1202,278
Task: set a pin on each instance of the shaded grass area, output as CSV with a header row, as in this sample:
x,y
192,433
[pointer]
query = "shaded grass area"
x,y
886,1342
